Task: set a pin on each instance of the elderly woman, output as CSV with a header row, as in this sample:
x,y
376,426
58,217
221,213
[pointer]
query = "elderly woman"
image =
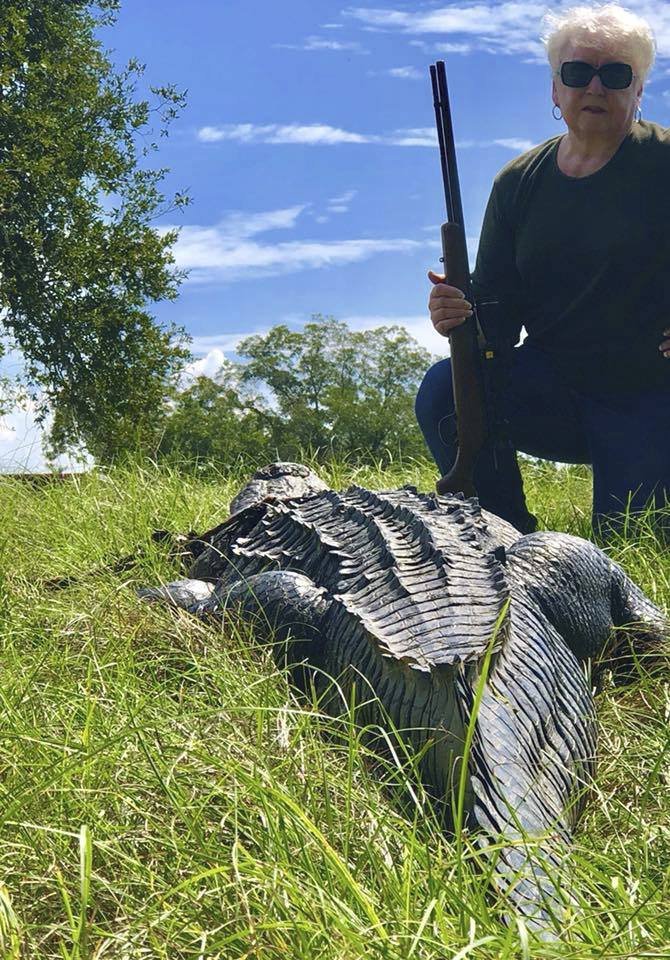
x,y
575,246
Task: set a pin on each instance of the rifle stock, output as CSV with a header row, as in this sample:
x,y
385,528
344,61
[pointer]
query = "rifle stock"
x,y
469,398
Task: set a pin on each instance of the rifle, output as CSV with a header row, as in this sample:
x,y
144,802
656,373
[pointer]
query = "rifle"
x,y
466,364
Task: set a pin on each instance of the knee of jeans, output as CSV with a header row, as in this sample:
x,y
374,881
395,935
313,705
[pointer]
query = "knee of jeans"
x,y
434,399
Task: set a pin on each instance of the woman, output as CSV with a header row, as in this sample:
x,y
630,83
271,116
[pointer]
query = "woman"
x,y
575,246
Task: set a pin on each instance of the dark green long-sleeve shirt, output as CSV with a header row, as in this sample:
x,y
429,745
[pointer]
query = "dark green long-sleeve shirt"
x,y
584,263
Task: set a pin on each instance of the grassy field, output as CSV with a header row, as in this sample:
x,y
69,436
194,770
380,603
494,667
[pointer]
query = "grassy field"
x,y
164,794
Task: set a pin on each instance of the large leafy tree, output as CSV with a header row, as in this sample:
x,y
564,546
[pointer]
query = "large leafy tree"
x,y
215,422
373,409
340,391
299,367
80,259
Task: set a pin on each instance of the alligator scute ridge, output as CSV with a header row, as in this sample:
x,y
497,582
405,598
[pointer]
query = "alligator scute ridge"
x,y
401,591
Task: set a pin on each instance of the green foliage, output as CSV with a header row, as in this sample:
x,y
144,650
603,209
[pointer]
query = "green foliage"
x,y
79,258
326,389
165,795
214,423
343,392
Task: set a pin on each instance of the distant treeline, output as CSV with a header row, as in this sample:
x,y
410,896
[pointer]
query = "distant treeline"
x,y
325,390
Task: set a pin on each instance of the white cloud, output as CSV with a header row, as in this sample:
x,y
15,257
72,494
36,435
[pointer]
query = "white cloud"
x,y
218,344
309,134
413,137
516,144
239,224
213,257
210,355
406,73
319,134
427,137
21,435
207,366
451,47
506,27
321,43
657,12
21,439
418,326
227,251
346,197
341,204
431,48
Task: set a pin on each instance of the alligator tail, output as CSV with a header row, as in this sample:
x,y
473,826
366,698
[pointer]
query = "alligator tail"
x,y
531,761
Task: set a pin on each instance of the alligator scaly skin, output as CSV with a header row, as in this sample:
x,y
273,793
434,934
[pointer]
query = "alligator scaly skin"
x,y
398,597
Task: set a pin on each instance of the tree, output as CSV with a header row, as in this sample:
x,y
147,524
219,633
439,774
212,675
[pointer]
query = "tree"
x,y
79,257
299,367
374,411
215,423
325,390
340,391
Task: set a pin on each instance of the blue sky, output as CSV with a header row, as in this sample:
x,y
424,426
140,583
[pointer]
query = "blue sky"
x,y
308,149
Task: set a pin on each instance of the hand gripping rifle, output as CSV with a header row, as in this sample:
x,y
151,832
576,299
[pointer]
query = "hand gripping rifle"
x,y
470,398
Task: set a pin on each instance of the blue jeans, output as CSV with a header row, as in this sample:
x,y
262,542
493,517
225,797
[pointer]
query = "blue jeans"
x,y
625,439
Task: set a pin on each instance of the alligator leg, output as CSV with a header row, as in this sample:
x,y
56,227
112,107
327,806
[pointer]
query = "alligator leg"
x,y
642,631
287,609
597,609
187,594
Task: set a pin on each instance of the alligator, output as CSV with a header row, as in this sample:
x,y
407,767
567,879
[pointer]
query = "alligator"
x,y
446,627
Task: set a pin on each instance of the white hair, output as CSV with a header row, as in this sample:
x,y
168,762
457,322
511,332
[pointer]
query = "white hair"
x,y
608,26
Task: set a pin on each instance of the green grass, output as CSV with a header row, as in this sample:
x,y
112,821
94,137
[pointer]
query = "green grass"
x,y
164,794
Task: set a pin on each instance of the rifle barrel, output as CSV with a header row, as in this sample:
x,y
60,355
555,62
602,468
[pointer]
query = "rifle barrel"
x,y
447,146
437,103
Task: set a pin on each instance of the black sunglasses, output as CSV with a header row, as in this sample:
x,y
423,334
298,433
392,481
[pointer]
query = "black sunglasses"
x,y
614,76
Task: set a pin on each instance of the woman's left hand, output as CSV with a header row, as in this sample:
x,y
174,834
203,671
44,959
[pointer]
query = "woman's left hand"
x,y
665,346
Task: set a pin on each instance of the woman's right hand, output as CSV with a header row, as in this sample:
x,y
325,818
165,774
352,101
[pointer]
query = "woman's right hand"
x,y
448,306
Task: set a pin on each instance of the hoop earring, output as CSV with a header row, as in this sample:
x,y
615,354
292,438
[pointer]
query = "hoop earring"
x,y
638,113
553,112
